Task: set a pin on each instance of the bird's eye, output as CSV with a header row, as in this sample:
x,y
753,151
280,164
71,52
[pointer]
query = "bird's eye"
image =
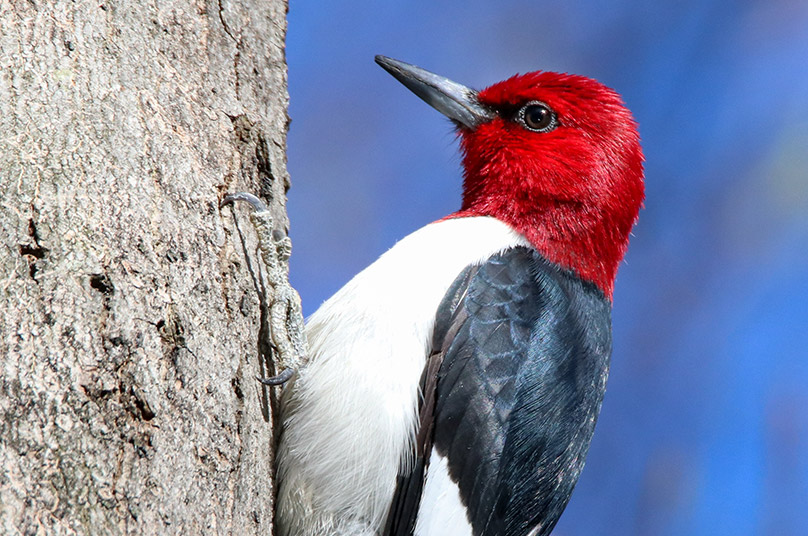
x,y
537,117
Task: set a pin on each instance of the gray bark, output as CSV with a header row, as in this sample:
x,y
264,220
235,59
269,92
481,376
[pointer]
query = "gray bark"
x,y
128,403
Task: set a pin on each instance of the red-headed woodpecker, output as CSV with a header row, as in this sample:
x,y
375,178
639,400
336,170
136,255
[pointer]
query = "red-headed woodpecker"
x,y
452,387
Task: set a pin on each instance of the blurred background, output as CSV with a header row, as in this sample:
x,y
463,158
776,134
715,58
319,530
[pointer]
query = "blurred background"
x,y
704,429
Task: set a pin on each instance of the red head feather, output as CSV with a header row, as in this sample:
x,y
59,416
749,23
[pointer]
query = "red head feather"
x,y
575,190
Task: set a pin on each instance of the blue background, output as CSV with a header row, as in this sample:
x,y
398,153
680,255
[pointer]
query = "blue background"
x,y
704,430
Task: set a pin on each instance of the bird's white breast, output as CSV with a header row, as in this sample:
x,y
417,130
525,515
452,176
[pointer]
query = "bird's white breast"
x,y
350,415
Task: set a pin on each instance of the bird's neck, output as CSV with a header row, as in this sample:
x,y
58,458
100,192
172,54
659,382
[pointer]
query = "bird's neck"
x,y
569,234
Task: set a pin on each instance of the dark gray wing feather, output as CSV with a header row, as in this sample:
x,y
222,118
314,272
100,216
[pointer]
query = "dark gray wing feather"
x,y
521,350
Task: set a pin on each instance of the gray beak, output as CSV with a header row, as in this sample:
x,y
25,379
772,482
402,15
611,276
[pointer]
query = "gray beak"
x,y
455,101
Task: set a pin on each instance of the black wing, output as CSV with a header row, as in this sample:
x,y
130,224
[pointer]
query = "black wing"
x,y
521,349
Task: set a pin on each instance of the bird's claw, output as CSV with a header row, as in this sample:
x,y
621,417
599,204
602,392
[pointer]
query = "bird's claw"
x,y
280,379
230,199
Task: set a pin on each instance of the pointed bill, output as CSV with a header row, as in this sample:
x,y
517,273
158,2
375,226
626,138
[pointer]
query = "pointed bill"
x,y
453,100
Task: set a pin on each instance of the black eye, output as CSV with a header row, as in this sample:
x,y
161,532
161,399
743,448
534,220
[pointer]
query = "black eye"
x,y
537,117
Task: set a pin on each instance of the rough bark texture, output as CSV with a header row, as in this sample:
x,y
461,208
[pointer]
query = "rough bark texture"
x,y
129,318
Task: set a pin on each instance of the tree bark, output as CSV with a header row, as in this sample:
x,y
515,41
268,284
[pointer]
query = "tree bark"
x,y
130,317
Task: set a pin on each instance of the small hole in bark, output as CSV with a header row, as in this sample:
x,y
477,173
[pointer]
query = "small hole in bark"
x,y
146,412
102,284
237,388
32,232
117,341
34,251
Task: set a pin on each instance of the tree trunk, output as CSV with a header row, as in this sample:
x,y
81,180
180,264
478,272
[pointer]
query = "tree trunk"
x,y
130,317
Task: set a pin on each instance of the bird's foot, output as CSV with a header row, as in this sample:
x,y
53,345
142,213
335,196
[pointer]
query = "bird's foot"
x,y
287,336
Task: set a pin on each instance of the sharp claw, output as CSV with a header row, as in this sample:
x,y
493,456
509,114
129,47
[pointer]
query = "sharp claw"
x,y
280,379
256,203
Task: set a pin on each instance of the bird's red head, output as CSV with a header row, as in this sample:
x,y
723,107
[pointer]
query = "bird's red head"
x,y
555,156
561,163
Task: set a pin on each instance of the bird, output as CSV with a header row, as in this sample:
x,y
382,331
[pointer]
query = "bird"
x,y
452,387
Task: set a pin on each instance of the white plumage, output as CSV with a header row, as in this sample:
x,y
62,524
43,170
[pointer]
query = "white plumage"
x,y
349,417
441,510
